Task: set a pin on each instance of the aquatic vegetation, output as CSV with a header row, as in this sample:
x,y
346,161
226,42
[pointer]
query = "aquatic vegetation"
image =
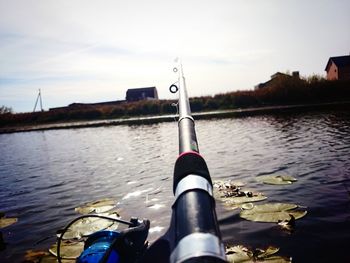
x,y
238,254
276,179
247,206
72,240
288,224
6,221
68,249
232,195
99,206
224,185
284,214
88,225
273,212
32,256
240,200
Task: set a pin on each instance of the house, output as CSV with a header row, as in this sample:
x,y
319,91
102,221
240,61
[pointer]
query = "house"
x,y
142,94
338,68
275,78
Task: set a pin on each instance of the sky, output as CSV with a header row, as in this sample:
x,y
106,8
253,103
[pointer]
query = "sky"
x,y
94,50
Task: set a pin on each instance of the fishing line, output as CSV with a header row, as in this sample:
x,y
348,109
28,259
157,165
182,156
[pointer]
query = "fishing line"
x,y
59,239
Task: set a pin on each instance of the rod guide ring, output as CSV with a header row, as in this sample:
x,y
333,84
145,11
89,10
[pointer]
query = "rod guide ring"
x,y
173,88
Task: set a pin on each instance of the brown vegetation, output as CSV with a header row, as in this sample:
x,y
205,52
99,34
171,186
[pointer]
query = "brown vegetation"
x,y
285,92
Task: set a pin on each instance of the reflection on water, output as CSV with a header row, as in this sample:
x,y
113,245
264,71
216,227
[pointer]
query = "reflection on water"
x,y
45,175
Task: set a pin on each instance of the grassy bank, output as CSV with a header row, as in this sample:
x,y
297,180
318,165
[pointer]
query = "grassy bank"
x,y
205,115
287,91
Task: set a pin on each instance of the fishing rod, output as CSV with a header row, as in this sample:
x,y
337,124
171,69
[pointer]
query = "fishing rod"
x,y
194,234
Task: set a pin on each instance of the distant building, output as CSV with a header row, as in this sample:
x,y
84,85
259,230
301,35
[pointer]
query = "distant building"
x,y
142,94
275,78
338,68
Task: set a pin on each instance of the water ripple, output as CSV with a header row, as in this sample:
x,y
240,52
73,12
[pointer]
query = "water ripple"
x,y
45,175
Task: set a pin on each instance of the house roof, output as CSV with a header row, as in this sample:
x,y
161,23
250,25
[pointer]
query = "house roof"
x,y
341,61
137,91
279,74
141,93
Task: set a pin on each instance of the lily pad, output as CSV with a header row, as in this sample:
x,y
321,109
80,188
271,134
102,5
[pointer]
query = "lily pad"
x,y
99,206
247,206
224,185
272,212
288,225
237,254
5,222
276,179
255,197
68,249
88,225
32,256
232,195
241,254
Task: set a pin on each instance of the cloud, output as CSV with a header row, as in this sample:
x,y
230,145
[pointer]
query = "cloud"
x,y
97,49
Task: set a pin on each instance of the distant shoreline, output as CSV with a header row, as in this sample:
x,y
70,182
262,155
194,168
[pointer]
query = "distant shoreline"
x,y
169,118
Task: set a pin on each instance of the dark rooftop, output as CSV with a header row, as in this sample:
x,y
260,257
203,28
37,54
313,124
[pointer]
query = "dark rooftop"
x,y
341,61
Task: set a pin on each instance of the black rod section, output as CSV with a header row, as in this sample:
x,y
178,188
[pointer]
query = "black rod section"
x,y
194,209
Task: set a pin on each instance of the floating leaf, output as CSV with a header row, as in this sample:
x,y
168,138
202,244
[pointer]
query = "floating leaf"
x,y
241,254
288,224
68,249
256,197
276,179
268,252
247,206
32,256
88,225
272,212
237,254
232,195
236,202
227,185
4,221
99,206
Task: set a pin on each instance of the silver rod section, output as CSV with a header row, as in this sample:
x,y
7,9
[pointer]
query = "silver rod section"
x,y
184,104
187,134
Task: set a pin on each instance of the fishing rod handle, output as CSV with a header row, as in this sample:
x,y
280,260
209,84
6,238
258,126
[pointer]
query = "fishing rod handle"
x,y
197,235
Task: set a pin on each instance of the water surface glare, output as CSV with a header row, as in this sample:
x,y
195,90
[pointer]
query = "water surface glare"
x,y
45,175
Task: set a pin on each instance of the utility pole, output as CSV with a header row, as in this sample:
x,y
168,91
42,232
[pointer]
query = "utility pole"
x,y
36,102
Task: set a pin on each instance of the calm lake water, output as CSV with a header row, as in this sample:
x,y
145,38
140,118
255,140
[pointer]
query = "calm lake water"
x,y
45,175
